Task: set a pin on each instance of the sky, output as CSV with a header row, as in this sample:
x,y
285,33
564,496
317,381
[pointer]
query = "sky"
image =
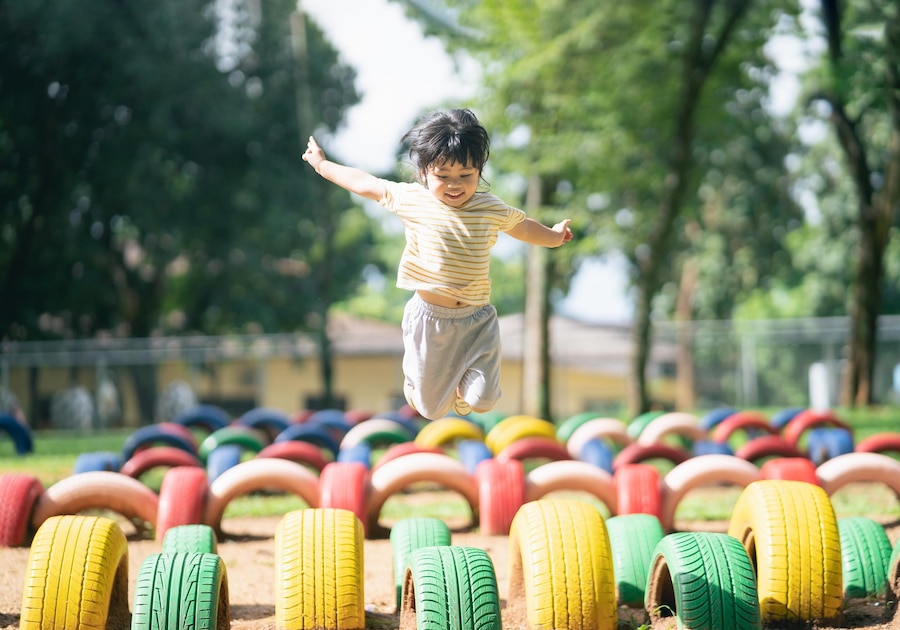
x,y
401,74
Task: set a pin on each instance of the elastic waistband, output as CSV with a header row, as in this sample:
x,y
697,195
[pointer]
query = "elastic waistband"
x,y
444,312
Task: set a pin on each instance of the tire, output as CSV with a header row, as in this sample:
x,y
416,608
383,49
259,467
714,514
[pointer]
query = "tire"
x,y
791,535
454,588
361,453
158,456
712,418
299,452
752,423
808,419
865,557
859,467
708,447
501,492
77,570
636,426
609,430
638,489
335,420
766,446
597,452
682,424
780,418
182,499
447,430
98,460
99,490
534,448
259,474
223,458
18,432
404,448
471,453
345,485
561,570
207,417
398,474
636,453
181,590
190,539
887,442
377,431
572,476
513,428
704,580
245,437
569,425
167,433
269,421
317,435
790,469
319,570
700,471
19,492
410,534
893,575
632,540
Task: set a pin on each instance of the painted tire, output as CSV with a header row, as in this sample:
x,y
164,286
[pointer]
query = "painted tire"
x,y
608,429
704,580
454,588
789,468
223,458
269,421
361,453
19,492
18,432
677,423
638,489
572,476
313,434
887,442
632,540
865,557
807,419
515,428
568,426
404,448
77,570
237,435
377,431
207,417
398,474
752,423
259,474
501,492
859,467
319,570
345,485
298,452
636,453
410,534
99,490
712,419
791,535
471,453
700,471
98,460
561,570
181,590
168,433
780,418
637,425
766,446
534,448
893,576
708,447
447,430
827,443
182,499
190,539
597,452
155,457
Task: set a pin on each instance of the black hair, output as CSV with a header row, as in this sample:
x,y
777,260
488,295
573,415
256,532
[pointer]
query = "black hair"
x,y
451,136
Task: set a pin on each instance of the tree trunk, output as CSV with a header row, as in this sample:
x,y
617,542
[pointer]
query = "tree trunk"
x,y
534,342
685,391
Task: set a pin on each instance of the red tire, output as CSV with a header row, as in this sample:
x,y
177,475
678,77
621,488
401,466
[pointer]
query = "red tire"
x,y
807,420
299,452
635,453
638,489
790,469
18,494
501,492
534,447
767,446
880,443
182,499
568,476
156,456
404,448
345,485
742,421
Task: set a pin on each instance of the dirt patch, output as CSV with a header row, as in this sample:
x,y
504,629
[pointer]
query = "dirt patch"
x,y
249,555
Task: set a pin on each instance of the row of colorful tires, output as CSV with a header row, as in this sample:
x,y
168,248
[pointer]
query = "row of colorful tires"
x,y
785,560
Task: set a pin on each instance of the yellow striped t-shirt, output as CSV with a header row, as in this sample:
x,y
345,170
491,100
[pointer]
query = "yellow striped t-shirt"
x,y
448,250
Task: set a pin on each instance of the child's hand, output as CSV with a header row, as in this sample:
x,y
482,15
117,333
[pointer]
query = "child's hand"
x,y
563,228
314,154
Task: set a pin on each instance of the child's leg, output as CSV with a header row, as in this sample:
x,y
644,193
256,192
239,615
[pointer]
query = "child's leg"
x,y
480,384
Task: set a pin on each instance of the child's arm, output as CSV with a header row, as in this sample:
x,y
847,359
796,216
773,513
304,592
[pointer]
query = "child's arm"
x,y
537,233
353,179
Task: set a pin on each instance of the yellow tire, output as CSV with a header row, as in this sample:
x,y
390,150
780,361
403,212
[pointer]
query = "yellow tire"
x,y
440,432
512,428
791,534
319,571
77,575
561,568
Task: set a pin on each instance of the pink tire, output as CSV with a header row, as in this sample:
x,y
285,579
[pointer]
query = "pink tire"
x,y
534,447
571,476
742,421
393,431
259,474
767,446
699,471
295,451
99,490
609,429
807,420
501,492
405,448
674,423
155,457
403,471
182,499
345,485
638,489
19,492
636,453
790,469
838,471
888,442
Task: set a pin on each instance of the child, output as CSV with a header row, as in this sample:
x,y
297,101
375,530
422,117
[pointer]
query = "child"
x,y
451,336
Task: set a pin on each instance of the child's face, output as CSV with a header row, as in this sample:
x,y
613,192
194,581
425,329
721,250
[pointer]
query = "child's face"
x,y
451,182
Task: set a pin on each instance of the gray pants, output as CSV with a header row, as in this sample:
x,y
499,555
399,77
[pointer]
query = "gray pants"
x,y
450,349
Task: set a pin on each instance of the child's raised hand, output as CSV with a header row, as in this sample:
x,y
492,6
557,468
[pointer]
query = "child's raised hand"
x,y
314,154
563,228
